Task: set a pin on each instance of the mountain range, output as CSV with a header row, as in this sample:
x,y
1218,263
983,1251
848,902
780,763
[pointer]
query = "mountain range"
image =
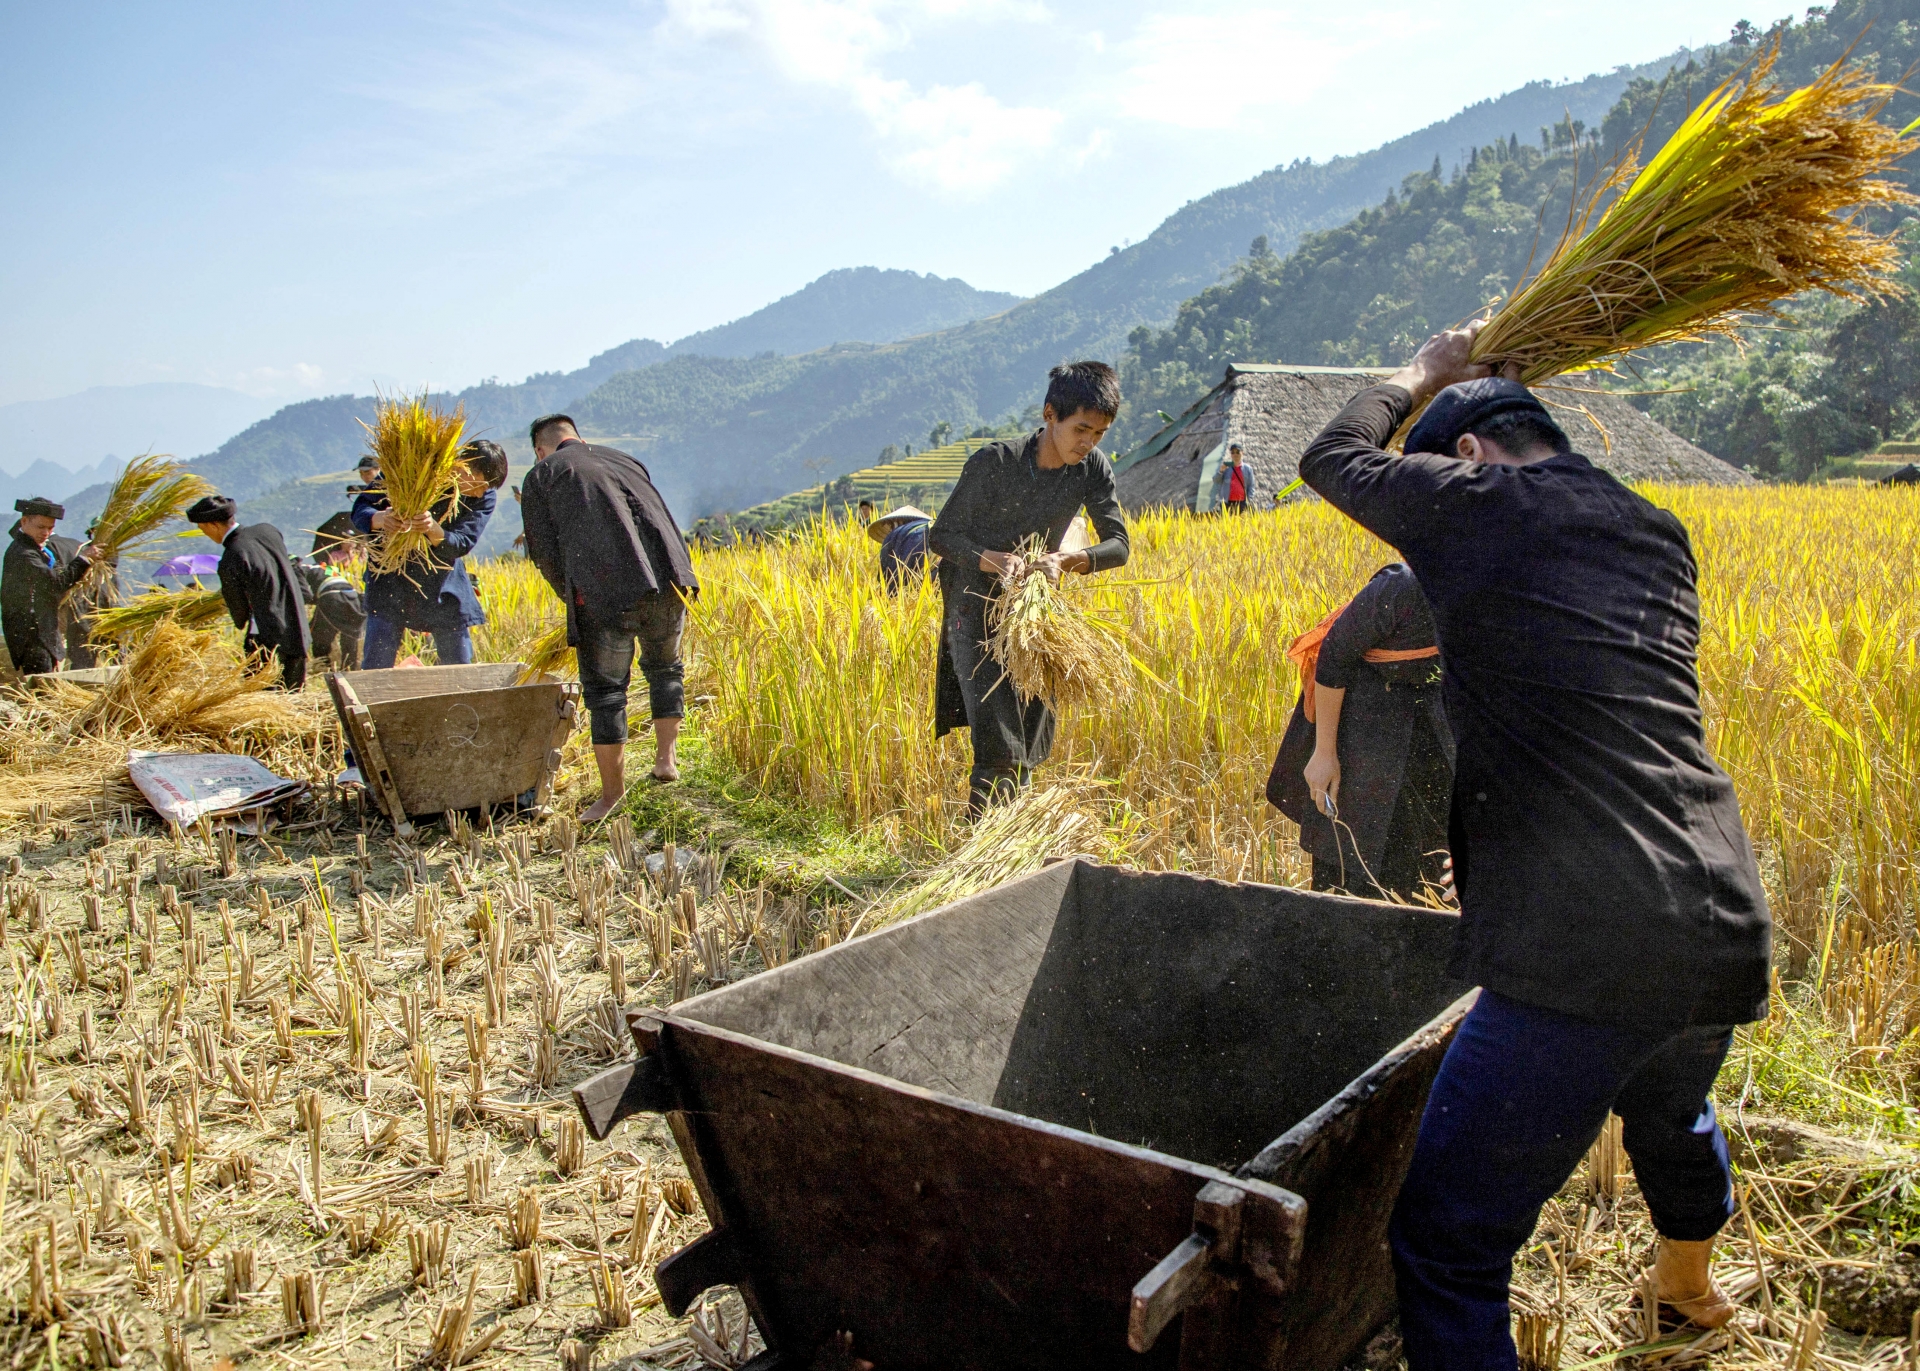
x,y
785,396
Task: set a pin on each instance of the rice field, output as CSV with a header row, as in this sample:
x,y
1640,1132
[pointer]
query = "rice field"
x,y
314,1115
818,685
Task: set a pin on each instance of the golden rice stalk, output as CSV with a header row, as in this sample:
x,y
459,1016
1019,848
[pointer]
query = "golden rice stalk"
x,y
417,445
1753,199
143,613
149,493
1049,648
1008,841
180,683
550,655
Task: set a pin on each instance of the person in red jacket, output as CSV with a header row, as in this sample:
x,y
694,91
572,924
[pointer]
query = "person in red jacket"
x,y
1239,480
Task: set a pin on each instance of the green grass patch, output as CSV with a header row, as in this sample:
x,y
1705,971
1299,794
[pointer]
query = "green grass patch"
x,y
769,840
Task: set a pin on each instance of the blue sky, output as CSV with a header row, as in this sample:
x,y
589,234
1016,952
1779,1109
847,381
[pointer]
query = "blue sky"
x,y
296,200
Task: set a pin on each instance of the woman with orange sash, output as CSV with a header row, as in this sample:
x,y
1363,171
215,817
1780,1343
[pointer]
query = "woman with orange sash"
x,y
1366,767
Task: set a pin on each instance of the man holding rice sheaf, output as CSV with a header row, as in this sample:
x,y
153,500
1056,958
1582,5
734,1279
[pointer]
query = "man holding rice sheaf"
x,y
259,585
605,541
1013,497
435,596
1611,910
38,571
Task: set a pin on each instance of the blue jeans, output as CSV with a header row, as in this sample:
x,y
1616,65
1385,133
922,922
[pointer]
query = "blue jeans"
x,y
453,646
1520,1097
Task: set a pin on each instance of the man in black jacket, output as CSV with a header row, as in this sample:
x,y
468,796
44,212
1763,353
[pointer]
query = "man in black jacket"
x,y
1611,910
260,587
605,541
39,570
1010,497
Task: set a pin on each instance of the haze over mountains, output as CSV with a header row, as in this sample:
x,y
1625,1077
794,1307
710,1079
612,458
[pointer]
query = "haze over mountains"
x,y
771,402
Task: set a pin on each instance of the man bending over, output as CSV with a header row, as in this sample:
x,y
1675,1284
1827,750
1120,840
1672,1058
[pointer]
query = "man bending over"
x,y
607,544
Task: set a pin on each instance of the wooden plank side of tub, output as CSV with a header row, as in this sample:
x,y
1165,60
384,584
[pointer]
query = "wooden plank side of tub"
x,y
940,1233
1346,1160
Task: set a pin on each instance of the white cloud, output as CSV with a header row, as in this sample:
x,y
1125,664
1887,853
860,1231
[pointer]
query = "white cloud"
x,y
277,383
958,140
1209,70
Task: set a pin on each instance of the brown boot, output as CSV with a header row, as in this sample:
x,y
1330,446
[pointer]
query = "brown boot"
x,y
1684,1279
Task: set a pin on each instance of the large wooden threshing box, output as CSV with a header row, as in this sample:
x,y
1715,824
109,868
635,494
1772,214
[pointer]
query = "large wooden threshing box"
x,y
434,738
1095,1118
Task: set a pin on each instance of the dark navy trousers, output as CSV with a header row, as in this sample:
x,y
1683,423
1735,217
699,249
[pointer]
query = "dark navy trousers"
x,y
1521,1095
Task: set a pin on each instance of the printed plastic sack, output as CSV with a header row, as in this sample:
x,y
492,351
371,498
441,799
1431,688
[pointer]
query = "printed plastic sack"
x,y
186,786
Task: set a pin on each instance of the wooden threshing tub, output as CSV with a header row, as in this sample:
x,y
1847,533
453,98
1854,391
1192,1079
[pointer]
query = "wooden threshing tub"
x,y
1033,1129
434,738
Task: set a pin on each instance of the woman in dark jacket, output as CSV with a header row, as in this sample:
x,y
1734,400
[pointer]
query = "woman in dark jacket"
x,y
437,596
1366,768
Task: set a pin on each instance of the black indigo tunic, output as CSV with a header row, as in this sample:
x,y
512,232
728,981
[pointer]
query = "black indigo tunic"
x,y
31,587
1393,735
1598,850
1002,501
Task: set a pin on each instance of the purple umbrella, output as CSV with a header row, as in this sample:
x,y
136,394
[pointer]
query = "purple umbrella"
x,y
192,564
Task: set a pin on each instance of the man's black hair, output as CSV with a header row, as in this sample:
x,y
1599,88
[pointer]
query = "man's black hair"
x,y
1074,386
547,421
488,460
1518,431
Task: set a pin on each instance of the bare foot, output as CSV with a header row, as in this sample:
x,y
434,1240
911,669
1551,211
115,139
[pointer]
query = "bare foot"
x,y
665,771
600,808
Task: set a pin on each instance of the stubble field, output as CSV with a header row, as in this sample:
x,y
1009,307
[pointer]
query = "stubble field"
x,y
277,1101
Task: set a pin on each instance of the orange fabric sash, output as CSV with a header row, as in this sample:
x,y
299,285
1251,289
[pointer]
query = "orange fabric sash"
x,y
1305,654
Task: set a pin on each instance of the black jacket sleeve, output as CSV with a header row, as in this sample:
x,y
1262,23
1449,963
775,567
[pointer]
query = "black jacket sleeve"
x,y
952,536
234,580
543,543
1103,511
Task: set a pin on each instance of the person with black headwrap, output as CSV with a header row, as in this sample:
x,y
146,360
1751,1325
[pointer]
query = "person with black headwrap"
x,y
260,586
1610,907
36,574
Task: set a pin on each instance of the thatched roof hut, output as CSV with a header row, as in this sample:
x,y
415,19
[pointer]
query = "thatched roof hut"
x,y
1273,412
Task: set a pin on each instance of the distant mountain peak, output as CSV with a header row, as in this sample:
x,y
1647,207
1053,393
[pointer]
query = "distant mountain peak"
x,y
848,305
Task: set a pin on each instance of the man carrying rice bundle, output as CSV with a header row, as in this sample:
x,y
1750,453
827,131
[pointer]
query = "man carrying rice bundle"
x,y
259,585
38,571
435,596
1610,906
606,542
1010,496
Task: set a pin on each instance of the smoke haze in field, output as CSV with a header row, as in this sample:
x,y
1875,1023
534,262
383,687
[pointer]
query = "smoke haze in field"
x,y
293,201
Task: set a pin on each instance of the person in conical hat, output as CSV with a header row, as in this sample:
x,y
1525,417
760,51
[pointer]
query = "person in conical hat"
x,y
902,536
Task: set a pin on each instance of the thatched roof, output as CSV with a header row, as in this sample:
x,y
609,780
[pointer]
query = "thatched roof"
x,y
1273,412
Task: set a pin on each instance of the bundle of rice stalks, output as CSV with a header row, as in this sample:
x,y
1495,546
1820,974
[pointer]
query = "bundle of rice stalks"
x,y
417,445
1051,650
1752,200
179,690
1008,841
194,608
151,492
550,655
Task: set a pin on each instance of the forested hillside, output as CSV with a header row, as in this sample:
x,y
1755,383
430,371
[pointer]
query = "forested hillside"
x,y
1450,242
